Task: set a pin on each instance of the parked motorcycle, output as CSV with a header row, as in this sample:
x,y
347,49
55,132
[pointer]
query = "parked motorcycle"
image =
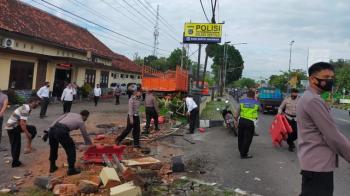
x,y
227,115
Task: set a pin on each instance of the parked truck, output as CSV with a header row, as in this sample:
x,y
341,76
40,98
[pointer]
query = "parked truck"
x,y
270,99
169,81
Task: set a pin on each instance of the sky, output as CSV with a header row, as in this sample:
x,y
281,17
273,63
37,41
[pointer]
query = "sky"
x,y
319,28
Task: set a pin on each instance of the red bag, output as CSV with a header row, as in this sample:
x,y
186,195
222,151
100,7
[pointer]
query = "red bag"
x,y
279,130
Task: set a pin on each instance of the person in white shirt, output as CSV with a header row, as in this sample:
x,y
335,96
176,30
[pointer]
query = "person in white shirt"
x,y
44,94
67,98
192,112
97,93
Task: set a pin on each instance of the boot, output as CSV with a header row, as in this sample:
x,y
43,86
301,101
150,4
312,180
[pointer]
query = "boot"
x,y
53,167
73,171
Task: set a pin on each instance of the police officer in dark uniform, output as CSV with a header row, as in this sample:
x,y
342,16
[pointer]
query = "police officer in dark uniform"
x,y
152,111
247,114
133,120
59,134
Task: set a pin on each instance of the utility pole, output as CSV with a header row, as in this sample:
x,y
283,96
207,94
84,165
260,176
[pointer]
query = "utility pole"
x,y
182,55
156,34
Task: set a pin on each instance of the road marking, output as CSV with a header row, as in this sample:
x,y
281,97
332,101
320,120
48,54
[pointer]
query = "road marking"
x,y
344,120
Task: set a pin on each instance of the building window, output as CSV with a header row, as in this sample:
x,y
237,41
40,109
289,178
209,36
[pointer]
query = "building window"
x,y
122,76
16,44
31,47
21,75
138,77
90,76
24,45
126,76
132,76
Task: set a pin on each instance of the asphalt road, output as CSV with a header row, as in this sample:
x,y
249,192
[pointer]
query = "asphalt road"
x,y
273,171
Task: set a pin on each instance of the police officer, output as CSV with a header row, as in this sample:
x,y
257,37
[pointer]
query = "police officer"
x,y
133,120
59,134
247,114
152,111
289,109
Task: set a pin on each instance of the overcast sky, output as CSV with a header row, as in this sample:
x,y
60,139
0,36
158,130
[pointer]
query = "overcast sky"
x,y
267,26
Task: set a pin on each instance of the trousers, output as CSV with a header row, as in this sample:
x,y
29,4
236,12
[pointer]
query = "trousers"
x,y
44,103
294,135
1,120
96,98
117,99
245,135
67,105
15,140
194,115
151,113
59,134
135,128
317,183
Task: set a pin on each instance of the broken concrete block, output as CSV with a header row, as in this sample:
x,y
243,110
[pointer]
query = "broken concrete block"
x,y
144,163
204,123
65,189
127,189
86,186
109,177
5,190
42,181
177,164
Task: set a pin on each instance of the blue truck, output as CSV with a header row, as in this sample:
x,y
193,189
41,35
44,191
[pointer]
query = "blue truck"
x,y
270,99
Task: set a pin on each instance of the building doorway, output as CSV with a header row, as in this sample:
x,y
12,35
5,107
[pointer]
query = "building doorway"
x,y
62,78
104,79
21,75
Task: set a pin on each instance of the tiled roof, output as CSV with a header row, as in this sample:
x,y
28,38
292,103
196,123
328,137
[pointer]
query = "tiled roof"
x,y
21,18
122,63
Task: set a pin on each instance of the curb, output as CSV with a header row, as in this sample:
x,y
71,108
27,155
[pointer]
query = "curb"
x,y
211,123
341,108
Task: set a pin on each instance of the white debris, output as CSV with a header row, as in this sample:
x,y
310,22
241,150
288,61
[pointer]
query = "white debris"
x,y
240,192
257,179
247,172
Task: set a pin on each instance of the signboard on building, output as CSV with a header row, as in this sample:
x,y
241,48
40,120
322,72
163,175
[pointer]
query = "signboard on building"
x,y
202,33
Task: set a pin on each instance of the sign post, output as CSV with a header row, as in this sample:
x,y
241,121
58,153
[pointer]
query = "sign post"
x,y
201,33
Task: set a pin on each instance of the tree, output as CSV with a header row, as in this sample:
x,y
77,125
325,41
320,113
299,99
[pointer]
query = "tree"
x,y
174,58
148,60
245,83
138,60
281,81
342,74
234,63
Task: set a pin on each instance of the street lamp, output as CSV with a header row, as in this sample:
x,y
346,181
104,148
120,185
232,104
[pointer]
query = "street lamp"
x,y
290,54
290,62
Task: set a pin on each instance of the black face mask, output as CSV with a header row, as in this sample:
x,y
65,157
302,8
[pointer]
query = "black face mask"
x,y
328,86
293,97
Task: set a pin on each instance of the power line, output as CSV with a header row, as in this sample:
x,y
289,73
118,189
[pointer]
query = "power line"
x,y
148,19
101,26
154,14
94,32
104,17
161,17
205,14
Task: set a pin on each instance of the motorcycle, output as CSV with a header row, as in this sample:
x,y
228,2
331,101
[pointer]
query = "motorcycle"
x,y
227,115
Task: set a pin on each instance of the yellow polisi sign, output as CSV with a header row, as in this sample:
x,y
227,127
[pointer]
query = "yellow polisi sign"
x,y
202,33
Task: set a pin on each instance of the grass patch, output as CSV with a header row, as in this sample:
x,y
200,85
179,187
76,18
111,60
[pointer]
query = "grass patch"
x,y
210,111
